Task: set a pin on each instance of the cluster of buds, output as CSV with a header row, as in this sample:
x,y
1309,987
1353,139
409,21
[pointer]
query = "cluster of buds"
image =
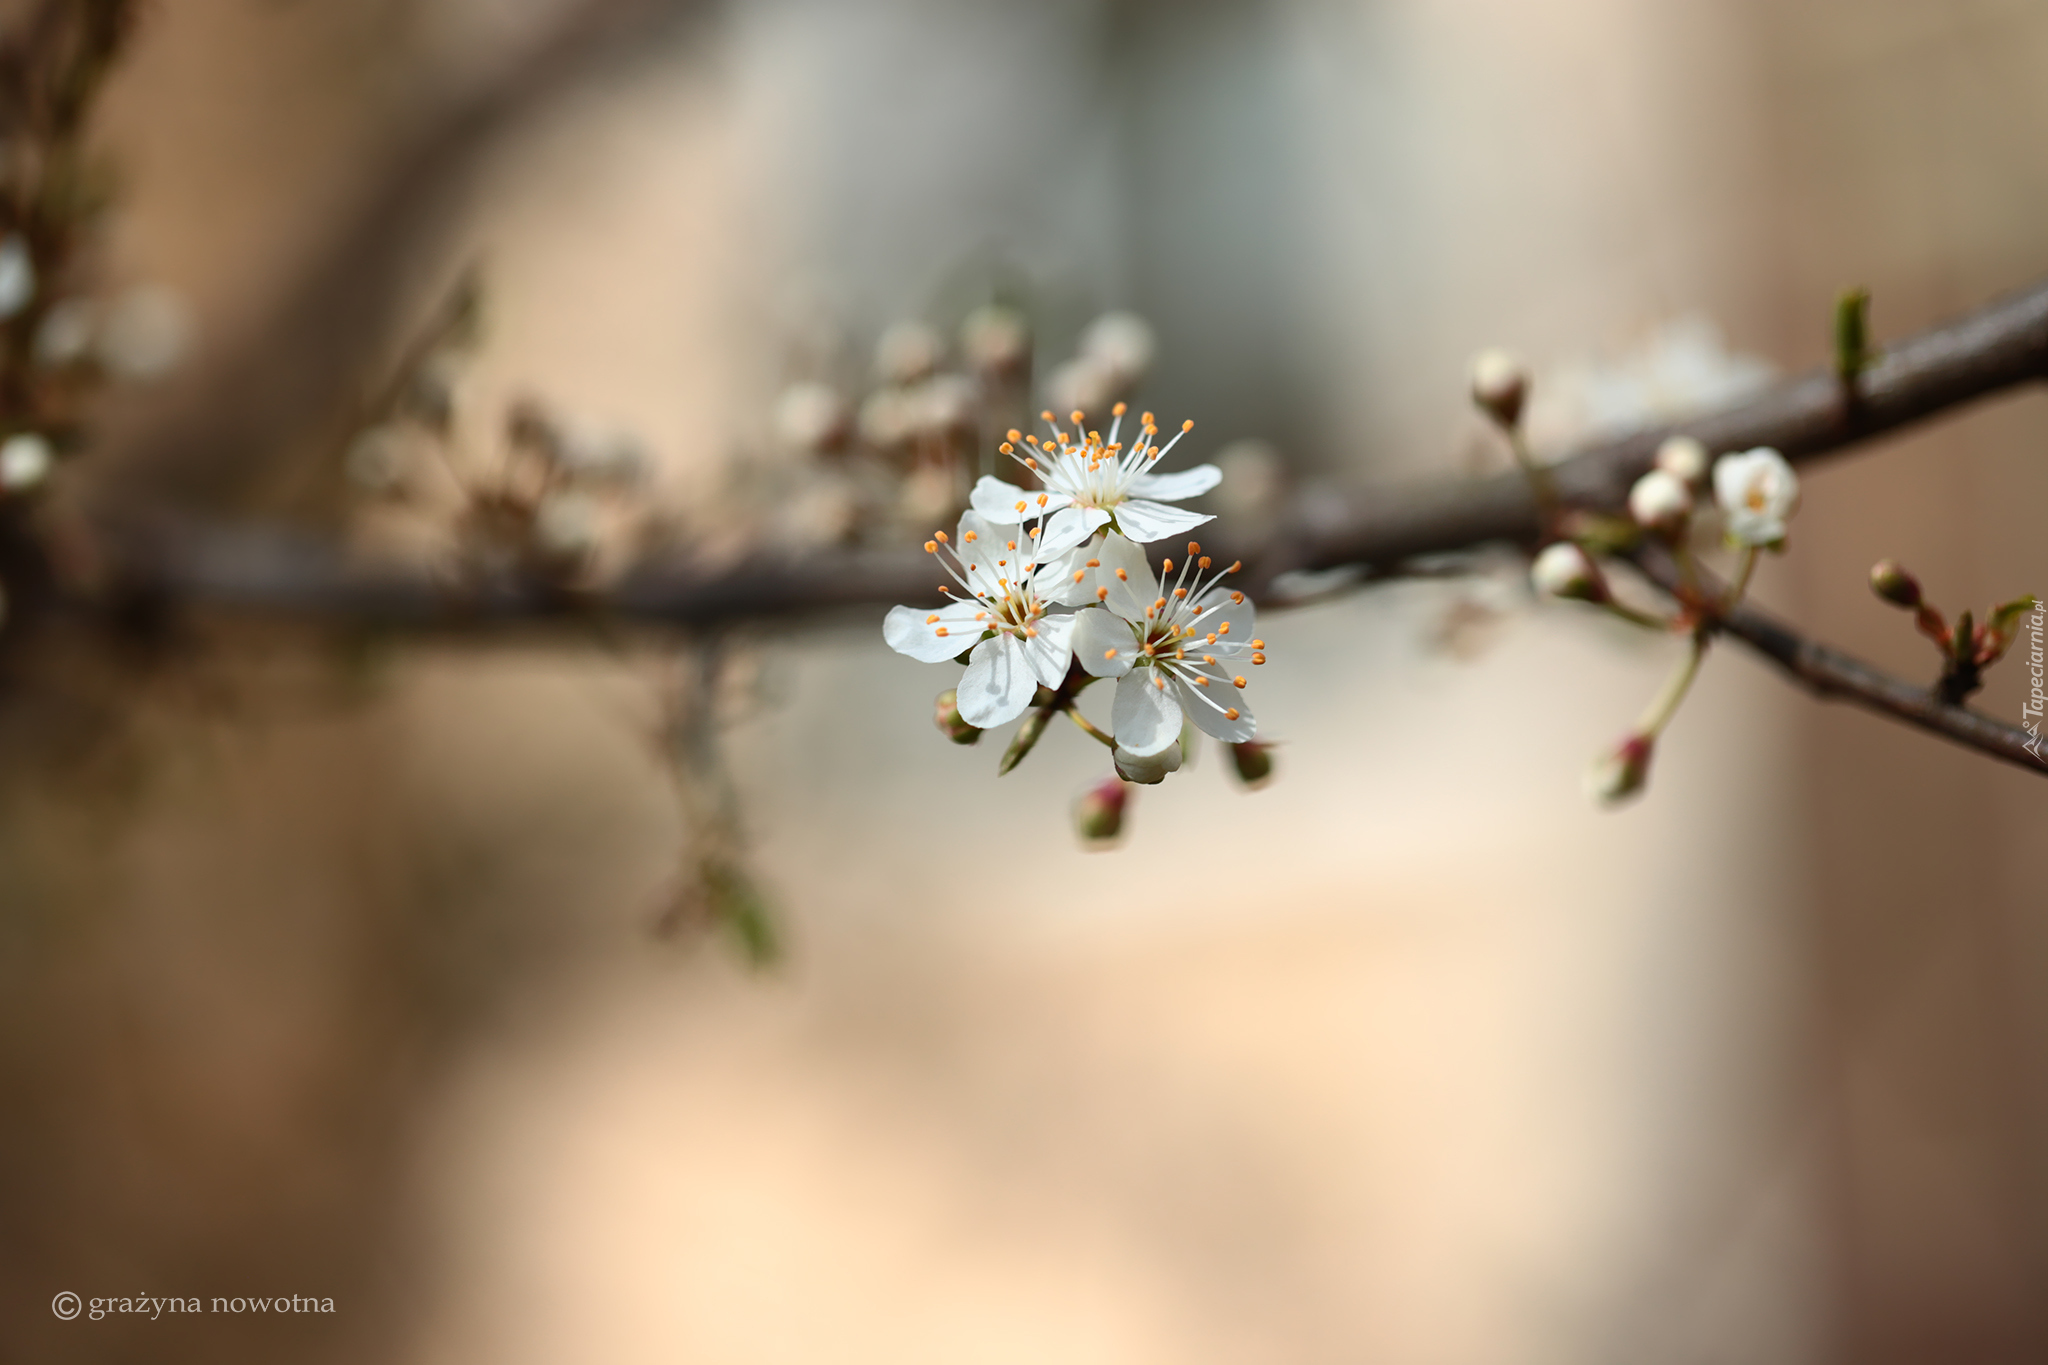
x,y
1052,590
1755,493
1967,647
555,504
901,449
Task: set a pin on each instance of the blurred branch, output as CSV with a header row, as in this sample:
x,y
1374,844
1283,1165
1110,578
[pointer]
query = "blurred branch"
x,y
298,368
268,569
1832,675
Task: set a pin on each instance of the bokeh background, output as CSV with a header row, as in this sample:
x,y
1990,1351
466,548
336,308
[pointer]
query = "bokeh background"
x,y
338,980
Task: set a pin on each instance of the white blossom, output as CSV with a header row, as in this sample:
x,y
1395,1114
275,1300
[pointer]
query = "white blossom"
x,y
1111,485
1660,502
1758,493
1011,580
1174,647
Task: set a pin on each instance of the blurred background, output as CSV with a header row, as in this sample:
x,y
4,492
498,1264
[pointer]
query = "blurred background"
x,y
332,968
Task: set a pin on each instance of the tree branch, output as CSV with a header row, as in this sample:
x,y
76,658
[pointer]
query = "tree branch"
x,y
1998,347
1832,675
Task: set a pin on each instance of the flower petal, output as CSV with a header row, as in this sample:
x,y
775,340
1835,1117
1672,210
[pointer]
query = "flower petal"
x,y
997,685
1145,716
1203,711
1136,590
1148,521
1060,532
910,631
985,530
1056,582
1187,483
1096,634
1048,653
996,500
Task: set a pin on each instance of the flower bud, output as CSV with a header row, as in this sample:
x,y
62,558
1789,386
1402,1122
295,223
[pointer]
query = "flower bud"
x,y
907,352
1150,769
996,340
1099,814
1685,460
565,528
812,419
1660,502
946,715
1500,385
1620,774
1565,570
1253,762
1122,344
1889,580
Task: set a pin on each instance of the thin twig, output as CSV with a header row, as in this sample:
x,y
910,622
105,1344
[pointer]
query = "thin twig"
x,y
1830,674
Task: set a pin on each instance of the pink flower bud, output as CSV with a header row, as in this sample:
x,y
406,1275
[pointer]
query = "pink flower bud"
x,y
946,715
1622,773
1099,814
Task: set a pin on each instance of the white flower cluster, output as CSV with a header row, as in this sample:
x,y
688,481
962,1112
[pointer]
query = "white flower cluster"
x,y
1756,493
1052,588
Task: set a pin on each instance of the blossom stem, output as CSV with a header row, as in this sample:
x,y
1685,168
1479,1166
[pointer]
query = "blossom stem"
x,y
1740,585
1539,477
1680,682
1088,728
1634,616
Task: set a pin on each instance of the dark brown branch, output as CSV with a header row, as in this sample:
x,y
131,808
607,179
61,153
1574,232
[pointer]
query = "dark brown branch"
x,y
1830,674
1988,351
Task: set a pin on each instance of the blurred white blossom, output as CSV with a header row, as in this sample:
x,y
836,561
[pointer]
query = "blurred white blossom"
x,y
145,333
25,461
1683,367
17,276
